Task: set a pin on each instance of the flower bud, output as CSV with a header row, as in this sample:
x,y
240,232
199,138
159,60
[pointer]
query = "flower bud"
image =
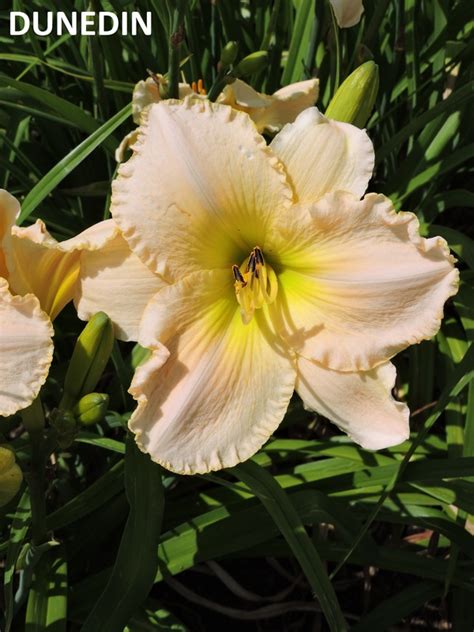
x,y
228,54
91,408
355,97
252,64
89,358
11,475
65,427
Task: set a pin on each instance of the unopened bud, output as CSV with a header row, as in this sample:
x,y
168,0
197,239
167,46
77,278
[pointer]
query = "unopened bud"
x,y
89,358
11,475
65,427
355,97
228,54
252,64
91,408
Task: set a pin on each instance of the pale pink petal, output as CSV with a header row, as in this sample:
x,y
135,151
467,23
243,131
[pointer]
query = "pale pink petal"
x,y
115,281
26,350
321,155
360,404
357,283
225,386
201,190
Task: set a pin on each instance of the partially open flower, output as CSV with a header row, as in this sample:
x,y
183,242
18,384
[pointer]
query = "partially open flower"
x,y
276,276
347,12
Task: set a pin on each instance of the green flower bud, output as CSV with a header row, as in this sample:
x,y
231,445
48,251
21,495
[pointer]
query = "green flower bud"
x,y
11,475
252,64
91,408
228,54
355,97
65,426
89,358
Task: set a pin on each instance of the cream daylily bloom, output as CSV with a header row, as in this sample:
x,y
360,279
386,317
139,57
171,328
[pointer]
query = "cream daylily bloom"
x,y
26,347
347,12
276,276
269,112
43,273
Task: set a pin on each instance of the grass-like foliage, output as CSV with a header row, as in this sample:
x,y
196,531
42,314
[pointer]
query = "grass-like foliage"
x,y
314,533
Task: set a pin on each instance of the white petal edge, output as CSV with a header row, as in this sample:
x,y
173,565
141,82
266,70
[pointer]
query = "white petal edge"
x,y
183,205
360,404
321,155
26,350
358,283
115,281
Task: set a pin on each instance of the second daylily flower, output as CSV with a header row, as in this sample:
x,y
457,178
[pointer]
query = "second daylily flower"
x,y
269,112
38,277
273,275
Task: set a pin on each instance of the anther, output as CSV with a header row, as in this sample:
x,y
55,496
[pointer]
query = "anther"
x,y
238,275
259,256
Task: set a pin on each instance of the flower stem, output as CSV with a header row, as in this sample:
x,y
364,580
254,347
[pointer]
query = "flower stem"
x,y
33,420
175,41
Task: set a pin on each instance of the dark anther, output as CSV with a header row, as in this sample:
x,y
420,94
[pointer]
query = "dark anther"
x,y
237,274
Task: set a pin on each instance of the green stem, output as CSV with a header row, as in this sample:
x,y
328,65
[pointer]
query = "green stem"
x,y
176,38
218,85
33,420
337,42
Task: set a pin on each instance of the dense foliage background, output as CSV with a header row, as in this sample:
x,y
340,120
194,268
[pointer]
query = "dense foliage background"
x,y
395,537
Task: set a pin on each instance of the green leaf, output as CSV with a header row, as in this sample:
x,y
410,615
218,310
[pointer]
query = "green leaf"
x,y
394,609
280,508
64,167
299,43
136,563
47,600
18,531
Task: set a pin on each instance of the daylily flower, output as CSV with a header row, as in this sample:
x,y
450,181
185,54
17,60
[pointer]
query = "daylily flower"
x,y
347,12
269,112
44,273
276,276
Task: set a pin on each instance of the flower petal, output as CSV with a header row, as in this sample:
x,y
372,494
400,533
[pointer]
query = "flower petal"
x,y
26,350
347,12
271,113
321,155
357,283
225,386
9,211
115,281
49,269
201,190
360,403
147,92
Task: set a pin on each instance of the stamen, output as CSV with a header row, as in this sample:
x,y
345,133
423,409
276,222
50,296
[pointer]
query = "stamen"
x,y
155,77
198,87
255,284
238,275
